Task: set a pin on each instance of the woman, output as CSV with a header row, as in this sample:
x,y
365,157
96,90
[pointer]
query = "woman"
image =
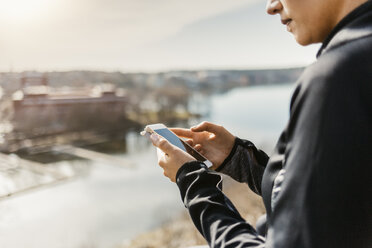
x,y
317,185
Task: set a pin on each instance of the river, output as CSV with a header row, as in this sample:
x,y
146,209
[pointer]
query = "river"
x,y
110,205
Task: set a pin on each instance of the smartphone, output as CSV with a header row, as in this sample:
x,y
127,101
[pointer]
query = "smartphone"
x,y
162,130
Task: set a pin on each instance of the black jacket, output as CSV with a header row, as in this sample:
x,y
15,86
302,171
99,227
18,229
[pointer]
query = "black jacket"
x,y
317,185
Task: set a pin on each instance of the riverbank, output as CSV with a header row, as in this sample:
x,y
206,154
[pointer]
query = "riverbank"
x,y
181,233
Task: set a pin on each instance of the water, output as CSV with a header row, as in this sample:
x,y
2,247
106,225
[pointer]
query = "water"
x,y
109,205
256,113
112,204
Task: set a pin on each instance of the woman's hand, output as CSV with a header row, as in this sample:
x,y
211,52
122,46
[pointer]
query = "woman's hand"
x,y
211,140
172,158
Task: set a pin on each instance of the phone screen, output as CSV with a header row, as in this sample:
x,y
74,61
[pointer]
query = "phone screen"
x,y
172,138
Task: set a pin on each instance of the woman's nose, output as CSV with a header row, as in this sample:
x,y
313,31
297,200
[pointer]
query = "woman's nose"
x,y
273,7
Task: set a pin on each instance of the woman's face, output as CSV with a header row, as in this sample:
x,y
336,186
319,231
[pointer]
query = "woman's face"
x,y
310,21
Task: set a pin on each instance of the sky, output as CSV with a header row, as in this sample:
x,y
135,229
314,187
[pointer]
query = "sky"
x,y
144,35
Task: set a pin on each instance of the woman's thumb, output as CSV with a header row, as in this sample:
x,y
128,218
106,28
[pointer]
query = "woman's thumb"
x,y
161,143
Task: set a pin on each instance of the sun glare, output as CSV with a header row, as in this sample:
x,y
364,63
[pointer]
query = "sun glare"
x,y
22,10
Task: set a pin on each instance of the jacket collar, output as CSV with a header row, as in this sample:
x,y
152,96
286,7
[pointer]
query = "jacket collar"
x,y
355,25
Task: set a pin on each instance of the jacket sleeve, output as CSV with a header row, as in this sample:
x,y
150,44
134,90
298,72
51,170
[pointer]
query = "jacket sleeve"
x,y
211,211
245,164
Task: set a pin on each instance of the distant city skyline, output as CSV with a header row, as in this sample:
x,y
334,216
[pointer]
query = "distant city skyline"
x,y
144,35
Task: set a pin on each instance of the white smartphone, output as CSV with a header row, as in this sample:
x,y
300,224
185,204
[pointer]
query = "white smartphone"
x,y
162,130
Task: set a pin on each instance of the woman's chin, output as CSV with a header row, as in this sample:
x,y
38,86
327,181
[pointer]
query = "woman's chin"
x,y
303,40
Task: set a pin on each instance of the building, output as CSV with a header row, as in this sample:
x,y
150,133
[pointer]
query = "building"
x,y
42,110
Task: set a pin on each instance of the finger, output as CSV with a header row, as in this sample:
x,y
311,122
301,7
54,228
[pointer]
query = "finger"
x,y
190,142
206,126
198,147
161,143
166,174
163,159
182,132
